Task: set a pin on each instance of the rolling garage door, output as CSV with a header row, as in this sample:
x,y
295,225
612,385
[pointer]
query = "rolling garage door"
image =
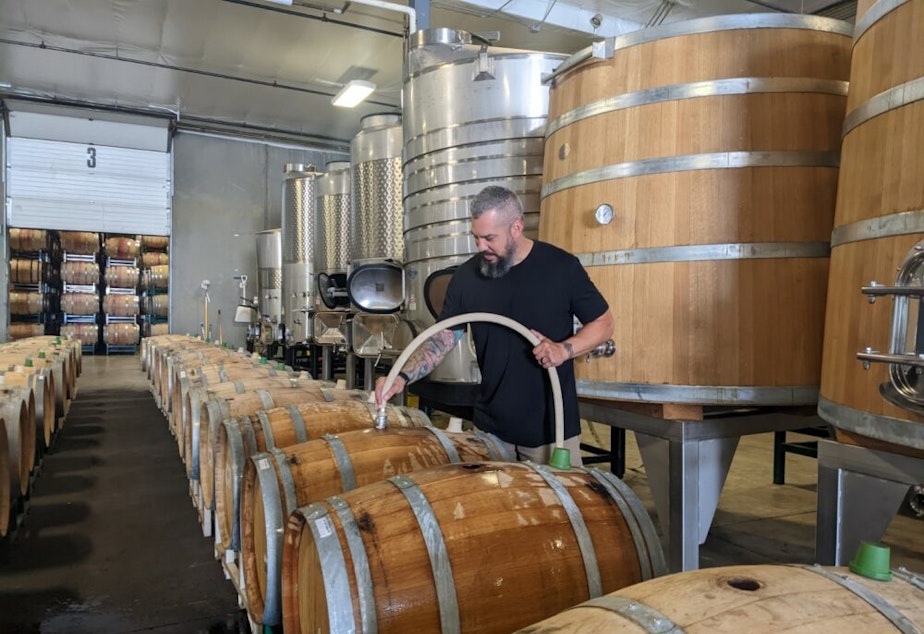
x,y
101,172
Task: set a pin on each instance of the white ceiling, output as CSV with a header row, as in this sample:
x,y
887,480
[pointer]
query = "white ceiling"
x,y
260,68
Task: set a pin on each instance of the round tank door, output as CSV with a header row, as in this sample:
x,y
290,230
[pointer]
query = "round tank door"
x,y
377,287
435,289
332,290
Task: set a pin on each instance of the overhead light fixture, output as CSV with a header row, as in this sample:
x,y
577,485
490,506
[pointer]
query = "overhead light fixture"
x,y
353,93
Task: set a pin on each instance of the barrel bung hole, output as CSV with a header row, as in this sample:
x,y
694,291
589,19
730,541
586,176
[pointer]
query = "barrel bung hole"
x,y
743,583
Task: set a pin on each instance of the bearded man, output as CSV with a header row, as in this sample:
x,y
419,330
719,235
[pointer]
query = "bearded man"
x,y
542,287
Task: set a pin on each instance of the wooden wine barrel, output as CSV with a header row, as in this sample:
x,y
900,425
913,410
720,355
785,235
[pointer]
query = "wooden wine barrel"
x,y
80,243
17,408
22,331
28,240
757,599
175,358
694,176
453,548
28,303
879,225
153,345
24,271
278,482
208,376
60,364
216,411
188,355
239,439
157,276
42,383
87,334
158,305
122,276
86,273
154,258
80,303
157,330
6,493
120,305
187,419
121,247
121,334
155,242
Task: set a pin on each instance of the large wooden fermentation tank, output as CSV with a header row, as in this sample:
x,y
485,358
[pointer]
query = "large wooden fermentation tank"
x,y
694,173
877,237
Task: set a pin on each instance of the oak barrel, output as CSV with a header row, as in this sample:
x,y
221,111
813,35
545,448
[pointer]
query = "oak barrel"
x,y
694,175
17,409
85,273
79,242
121,334
80,303
187,420
24,331
6,493
122,276
23,271
42,383
155,242
120,305
28,240
214,412
29,303
453,548
758,599
121,247
879,224
277,482
86,334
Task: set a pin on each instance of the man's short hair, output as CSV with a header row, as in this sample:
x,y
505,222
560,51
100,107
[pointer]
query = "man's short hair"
x,y
498,198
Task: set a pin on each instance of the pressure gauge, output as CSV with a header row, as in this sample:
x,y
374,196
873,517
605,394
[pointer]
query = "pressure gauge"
x,y
604,214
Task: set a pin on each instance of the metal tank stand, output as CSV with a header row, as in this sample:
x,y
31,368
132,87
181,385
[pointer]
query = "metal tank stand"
x,y
687,462
859,492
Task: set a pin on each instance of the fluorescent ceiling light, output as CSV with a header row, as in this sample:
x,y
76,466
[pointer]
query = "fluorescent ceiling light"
x,y
353,93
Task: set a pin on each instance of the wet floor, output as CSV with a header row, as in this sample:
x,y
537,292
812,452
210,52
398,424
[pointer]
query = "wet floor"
x,y
110,541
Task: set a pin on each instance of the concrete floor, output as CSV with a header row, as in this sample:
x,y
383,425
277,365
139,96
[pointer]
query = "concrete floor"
x,y
111,542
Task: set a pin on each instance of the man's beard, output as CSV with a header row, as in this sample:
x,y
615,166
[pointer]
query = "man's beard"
x,y
499,268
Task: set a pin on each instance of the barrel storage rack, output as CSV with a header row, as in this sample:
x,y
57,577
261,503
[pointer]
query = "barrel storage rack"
x,y
275,460
35,284
80,271
120,298
38,381
154,288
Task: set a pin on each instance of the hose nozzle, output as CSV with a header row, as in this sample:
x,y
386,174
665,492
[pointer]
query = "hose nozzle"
x,y
381,418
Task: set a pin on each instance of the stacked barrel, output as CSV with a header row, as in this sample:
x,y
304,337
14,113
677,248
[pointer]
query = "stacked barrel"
x,y
155,276
120,301
34,282
80,273
38,380
288,473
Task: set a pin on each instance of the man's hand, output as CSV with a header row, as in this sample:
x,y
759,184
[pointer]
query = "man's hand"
x,y
550,354
396,387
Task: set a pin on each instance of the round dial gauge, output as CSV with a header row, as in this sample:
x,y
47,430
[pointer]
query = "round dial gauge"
x,y
604,214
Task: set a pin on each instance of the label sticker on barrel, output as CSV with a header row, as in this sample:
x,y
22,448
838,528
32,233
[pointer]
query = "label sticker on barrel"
x,y
263,463
325,528
182,374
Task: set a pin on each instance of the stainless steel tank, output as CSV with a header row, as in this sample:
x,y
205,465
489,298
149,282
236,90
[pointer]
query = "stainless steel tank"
x,y
491,133
376,281
269,275
299,204
332,246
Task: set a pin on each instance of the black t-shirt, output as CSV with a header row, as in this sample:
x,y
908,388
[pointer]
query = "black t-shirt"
x,y
543,292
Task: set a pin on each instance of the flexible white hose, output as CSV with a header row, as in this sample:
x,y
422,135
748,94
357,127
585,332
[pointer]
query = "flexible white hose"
x,y
446,324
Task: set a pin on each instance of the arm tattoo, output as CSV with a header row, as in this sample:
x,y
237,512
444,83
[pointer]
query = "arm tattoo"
x,y
569,348
429,355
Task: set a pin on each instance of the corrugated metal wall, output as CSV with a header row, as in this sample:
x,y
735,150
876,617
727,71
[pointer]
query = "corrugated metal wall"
x,y
225,191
